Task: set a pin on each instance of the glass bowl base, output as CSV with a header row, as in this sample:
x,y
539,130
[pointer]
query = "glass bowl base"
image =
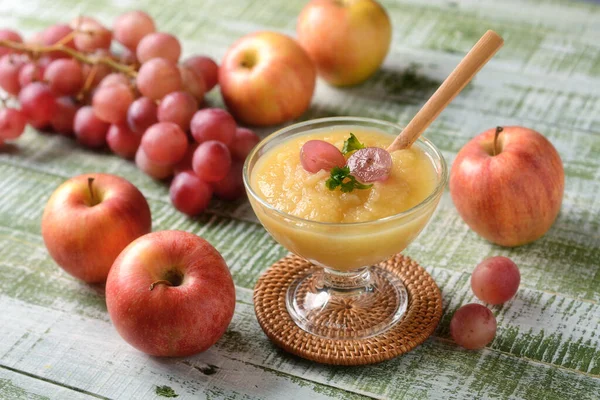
x,y
347,305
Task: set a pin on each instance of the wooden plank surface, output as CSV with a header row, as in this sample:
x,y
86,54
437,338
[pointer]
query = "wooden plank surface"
x,y
58,341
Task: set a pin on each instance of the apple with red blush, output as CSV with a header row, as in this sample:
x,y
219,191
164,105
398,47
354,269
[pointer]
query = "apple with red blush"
x,y
170,293
346,39
266,78
507,184
89,220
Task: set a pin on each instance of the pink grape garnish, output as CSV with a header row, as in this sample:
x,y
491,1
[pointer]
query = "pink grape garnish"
x,y
316,155
370,164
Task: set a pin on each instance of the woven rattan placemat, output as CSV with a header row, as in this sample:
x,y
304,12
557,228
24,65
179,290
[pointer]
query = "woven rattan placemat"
x,y
421,318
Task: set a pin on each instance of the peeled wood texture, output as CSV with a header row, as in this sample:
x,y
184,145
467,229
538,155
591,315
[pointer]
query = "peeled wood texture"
x,y
58,343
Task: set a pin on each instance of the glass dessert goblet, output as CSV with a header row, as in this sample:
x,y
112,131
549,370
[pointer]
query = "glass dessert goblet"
x,y
347,295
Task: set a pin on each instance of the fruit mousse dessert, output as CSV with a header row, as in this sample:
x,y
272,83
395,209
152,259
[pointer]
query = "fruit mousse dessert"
x,y
342,177
330,192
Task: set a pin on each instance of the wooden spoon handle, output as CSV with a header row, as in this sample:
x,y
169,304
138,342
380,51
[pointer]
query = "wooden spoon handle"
x,y
475,59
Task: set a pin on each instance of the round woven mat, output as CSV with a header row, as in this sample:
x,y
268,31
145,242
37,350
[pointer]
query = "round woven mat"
x,y
418,323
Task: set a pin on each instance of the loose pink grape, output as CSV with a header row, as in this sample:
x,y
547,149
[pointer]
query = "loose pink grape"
x,y
38,103
12,123
10,66
192,83
158,44
370,164
122,140
157,78
30,72
213,124
91,35
63,119
164,143
211,161
142,114
473,326
243,142
206,67
112,102
316,155
190,194
150,168
89,129
232,186
131,27
8,34
114,78
495,280
179,108
64,76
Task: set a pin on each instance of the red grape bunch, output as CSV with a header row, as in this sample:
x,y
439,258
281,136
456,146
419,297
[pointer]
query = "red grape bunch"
x,y
139,100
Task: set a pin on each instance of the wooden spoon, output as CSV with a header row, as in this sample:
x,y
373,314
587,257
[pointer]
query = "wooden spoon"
x,y
475,59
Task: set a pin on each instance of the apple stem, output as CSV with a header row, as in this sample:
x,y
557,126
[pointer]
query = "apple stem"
x,y
162,281
498,130
90,182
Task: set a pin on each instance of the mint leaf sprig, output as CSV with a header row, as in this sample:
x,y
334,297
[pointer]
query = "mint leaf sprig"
x,y
341,177
352,144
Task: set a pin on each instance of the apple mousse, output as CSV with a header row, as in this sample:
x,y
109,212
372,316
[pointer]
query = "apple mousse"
x,y
325,176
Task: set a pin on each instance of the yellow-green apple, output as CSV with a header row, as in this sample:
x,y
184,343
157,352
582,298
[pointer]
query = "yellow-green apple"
x,y
347,39
170,293
89,219
266,78
507,184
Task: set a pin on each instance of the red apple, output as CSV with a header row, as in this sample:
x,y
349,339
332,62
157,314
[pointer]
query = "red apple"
x,y
170,293
511,193
347,39
266,78
89,219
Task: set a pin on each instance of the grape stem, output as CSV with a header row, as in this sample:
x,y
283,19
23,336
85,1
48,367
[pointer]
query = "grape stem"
x,y
33,49
498,130
88,83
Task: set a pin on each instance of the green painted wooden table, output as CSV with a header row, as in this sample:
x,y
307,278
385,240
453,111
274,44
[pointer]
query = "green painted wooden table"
x,y
57,340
